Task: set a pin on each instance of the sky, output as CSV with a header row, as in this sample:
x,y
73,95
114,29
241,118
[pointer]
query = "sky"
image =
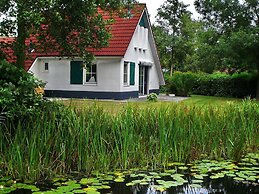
x,y
153,5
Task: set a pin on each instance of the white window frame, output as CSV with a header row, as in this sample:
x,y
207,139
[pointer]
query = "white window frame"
x,y
91,73
126,82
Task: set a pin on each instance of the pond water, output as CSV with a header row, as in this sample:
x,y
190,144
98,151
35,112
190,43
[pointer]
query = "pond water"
x,y
222,186
201,177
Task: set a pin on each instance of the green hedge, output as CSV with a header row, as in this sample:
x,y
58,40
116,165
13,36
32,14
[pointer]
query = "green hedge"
x,y
217,84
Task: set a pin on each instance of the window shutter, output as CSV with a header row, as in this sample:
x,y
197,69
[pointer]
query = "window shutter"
x,y
76,72
132,73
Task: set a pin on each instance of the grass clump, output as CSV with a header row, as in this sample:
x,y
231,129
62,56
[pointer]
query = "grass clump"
x,y
60,140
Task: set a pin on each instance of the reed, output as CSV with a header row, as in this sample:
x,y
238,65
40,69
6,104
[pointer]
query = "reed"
x,y
68,140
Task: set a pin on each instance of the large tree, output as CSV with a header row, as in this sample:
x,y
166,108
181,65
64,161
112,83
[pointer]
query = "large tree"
x,y
236,24
170,20
69,26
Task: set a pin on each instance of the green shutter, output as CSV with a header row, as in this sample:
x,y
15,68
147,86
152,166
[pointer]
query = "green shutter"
x,y
132,73
76,72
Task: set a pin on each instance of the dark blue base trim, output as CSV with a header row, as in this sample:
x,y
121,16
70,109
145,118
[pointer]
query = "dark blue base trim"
x,y
91,95
157,91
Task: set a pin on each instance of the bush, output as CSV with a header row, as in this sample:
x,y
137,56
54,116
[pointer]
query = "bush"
x,y
17,91
181,84
238,85
152,97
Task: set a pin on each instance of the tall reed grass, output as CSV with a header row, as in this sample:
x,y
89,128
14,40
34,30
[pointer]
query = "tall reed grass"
x,y
58,142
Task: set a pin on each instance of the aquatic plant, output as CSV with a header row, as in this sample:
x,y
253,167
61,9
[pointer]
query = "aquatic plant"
x,y
67,141
201,174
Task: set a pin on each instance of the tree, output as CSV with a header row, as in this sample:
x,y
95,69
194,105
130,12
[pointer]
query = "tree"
x,y
69,26
237,24
170,19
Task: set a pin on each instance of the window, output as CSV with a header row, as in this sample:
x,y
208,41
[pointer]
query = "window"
x,y
91,73
125,73
46,67
129,74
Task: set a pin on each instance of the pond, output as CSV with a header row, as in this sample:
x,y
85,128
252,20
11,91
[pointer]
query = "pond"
x,y
205,176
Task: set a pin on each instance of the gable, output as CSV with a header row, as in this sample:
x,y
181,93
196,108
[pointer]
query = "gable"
x,y
144,47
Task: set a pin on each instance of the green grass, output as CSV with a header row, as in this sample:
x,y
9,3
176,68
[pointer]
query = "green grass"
x,y
116,106
211,100
61,140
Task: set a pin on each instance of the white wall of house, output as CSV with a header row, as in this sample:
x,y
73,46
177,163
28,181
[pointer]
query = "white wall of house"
x,y
58,75
140,50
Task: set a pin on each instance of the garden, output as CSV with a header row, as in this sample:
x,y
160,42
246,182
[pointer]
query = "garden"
x,y
207,143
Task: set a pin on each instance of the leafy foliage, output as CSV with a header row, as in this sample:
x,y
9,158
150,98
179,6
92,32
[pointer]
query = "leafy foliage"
x,y
152,97
170,36
217,84
67,26
17,91
181,84
235,24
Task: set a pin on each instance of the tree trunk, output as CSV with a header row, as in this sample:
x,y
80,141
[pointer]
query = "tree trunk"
x,y
257,87
172,62
171,69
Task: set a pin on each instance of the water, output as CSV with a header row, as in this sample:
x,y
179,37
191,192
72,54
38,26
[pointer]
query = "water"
x,y
216,188
221,186
200,177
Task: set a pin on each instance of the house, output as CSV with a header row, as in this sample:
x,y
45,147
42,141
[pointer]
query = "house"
x,y
128,68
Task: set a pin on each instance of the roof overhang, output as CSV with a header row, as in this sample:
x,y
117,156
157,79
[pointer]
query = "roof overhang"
x,y
145,63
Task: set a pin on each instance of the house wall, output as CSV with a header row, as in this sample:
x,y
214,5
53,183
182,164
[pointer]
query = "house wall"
x,y
57,79
140,50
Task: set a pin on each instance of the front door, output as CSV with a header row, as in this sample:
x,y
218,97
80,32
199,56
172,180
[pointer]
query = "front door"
x,y
143,80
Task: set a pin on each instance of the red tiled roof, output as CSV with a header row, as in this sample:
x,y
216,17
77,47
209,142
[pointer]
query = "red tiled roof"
x,y
122,31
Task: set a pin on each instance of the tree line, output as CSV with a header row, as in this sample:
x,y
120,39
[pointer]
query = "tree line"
x,y
224,38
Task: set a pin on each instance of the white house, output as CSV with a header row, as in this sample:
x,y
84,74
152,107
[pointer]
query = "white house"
x,y
128,68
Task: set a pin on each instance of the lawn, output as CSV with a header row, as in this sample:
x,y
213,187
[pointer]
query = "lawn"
x,y
115,106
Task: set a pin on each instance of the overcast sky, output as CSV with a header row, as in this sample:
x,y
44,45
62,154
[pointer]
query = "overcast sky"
x,y
153,5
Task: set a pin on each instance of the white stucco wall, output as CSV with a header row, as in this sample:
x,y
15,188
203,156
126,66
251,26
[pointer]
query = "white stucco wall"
x,y
140,50
58,75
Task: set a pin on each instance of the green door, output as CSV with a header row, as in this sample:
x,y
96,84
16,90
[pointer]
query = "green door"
x,y
76,72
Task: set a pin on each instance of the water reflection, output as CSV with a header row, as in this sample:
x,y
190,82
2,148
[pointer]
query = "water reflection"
x,y
223,186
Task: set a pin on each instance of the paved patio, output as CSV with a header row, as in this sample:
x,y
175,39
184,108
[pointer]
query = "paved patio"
x,y
161,97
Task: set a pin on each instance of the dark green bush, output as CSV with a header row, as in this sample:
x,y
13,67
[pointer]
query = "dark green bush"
x,y
238,85
180,84
152,97
17,91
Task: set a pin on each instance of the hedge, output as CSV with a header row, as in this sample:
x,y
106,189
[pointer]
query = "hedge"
x,y
237,85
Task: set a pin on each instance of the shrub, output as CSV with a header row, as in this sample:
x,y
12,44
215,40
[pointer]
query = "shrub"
x,y
238,85
152,97
217,84
17,91
181,84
